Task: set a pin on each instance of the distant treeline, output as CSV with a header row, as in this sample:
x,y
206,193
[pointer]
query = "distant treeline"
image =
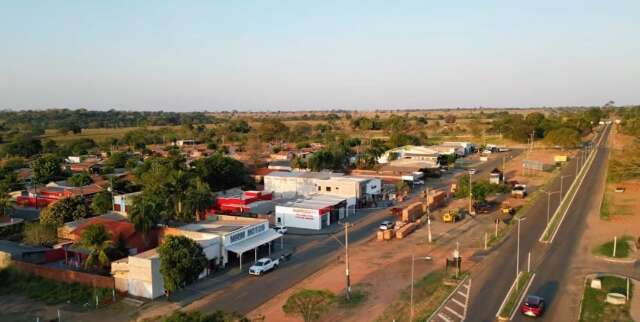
x,y
75,120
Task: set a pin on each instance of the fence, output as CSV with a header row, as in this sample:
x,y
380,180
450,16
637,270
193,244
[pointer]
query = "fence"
x,y
66,276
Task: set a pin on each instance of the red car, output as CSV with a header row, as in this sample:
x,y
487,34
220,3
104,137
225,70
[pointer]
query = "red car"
x,y
532,306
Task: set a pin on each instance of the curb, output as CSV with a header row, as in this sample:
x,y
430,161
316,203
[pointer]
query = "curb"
x,y
616,260
511,289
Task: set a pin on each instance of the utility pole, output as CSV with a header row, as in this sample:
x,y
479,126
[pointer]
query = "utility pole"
x,y
470,194
413,261
518,248
549,202
428,216
346,260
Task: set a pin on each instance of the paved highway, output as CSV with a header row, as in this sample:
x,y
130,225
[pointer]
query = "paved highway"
x,y
551,274
493,282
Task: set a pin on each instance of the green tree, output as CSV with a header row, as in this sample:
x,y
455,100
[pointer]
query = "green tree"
x,y
23,146
65,210
80,179
97,240
564,137
102,202
146,212
39,234
46,168
181,262
118,160
310,305
195,316
221,172
198,198
6,201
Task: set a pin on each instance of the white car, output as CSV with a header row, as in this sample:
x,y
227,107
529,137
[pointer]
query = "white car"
x,y
386,225
263,265
280,229
473,171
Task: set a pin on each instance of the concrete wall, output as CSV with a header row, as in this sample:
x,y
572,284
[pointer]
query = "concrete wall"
x,y
144,277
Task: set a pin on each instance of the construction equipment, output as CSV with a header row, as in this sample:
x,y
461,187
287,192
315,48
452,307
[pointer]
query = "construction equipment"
x,y
452,215
507,209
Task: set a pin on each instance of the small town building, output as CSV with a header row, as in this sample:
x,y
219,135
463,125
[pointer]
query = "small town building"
x,y
496,176
314,212
224,239
355,190
122,203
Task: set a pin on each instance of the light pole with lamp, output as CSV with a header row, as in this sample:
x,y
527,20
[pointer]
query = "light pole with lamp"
x,y
413,260
518,247
549,201
346,258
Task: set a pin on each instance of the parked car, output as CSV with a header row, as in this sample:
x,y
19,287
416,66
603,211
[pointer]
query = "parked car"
x,y
533,306
519,191
280,229
487,151
386,225
483,207
473,171
263,265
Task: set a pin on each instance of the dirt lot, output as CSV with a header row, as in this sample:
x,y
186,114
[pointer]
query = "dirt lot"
x,y
619,212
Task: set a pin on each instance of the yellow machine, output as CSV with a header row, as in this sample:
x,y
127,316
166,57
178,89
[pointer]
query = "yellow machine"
x,y
507,209
451,216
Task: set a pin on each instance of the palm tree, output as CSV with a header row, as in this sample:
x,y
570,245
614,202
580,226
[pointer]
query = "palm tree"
x,y
177,186
97,240
145,214
198,199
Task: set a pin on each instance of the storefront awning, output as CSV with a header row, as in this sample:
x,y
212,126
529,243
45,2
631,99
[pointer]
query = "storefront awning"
x,y
254,242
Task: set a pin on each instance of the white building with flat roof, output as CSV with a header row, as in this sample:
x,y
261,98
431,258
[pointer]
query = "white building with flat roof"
x,y
221,238
355,190
313,212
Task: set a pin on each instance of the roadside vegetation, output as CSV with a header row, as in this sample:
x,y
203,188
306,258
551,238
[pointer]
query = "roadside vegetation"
x,y
594,307
309,305
14,281
513,298
623,248
196,316
428,293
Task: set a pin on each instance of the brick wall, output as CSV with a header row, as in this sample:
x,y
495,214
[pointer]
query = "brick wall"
x,y
66,276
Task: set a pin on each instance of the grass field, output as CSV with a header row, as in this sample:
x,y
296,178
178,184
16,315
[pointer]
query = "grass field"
x,y
48,291
594,308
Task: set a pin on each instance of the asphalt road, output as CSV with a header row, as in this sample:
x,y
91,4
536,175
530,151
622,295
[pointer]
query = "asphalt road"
x,y
245,293
551,274
493,283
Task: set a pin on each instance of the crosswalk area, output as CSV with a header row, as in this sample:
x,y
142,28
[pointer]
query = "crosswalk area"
x,y
454,309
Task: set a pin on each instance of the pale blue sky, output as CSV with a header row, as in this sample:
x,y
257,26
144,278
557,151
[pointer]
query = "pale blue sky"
x,y
257,55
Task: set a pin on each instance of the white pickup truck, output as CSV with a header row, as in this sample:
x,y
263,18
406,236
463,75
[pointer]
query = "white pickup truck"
x,y
263,265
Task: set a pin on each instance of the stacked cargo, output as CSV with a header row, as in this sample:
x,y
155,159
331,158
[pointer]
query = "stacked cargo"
x,y
435,199
405,230
412,212
387,234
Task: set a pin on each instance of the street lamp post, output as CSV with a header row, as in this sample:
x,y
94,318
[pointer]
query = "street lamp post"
x,y
518,247
470,194
413,260
549,201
